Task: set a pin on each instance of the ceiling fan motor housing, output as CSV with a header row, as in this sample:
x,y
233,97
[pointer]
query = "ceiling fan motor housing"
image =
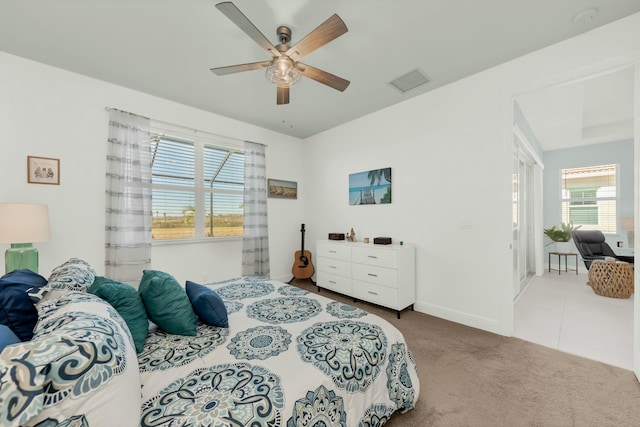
x,y
284,34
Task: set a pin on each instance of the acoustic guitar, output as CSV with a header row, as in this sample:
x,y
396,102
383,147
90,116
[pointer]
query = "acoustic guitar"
x,y
302,265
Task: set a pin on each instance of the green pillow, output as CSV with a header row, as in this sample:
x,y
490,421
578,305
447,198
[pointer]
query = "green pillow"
x,y
167,303
128,304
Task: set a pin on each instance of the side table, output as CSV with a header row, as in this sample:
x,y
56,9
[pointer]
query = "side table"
x,y
565,255
612,279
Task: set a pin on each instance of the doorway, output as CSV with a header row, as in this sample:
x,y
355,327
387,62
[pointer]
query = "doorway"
x,y
573,121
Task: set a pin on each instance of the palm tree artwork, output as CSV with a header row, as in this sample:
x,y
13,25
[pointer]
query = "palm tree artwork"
x,y
370,187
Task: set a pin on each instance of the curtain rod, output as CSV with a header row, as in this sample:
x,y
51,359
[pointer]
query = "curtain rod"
x,y
181,126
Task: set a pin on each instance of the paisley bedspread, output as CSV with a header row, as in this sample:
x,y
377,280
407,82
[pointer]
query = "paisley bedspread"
x,y
288,358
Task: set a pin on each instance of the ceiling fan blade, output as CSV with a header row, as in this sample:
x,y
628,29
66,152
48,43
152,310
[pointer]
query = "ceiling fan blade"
x,y
230,69
329,30
238,18
323,77
282,95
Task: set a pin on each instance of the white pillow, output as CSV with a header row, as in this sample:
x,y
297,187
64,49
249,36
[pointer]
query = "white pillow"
x,y
72,275
97,379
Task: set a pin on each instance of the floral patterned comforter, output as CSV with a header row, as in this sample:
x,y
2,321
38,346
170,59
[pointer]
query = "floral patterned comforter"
x,y
288,358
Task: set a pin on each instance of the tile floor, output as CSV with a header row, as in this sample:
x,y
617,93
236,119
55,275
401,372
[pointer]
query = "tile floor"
x,y
562,312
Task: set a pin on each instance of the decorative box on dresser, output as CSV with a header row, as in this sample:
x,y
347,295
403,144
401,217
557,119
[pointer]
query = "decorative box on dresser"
x,y
380,274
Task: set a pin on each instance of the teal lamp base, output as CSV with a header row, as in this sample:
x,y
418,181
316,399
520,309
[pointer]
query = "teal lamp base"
x,y
21,256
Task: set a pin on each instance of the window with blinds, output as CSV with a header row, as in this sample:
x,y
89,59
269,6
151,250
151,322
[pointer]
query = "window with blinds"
x,y
589,197
197,189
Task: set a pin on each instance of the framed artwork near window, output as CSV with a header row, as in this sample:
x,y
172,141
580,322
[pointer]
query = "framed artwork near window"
x,y
43,170
282,189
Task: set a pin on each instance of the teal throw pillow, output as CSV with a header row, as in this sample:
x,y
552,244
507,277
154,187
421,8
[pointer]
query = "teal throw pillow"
x,y
127,302
167,303
208,305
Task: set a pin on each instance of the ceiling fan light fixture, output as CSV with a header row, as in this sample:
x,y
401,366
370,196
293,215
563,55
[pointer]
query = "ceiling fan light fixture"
x,y
282,72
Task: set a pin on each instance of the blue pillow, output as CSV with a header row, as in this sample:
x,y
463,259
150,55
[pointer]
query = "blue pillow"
x,y
207,304
7,337
16,308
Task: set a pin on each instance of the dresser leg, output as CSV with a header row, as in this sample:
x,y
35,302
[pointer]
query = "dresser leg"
x,y
398,311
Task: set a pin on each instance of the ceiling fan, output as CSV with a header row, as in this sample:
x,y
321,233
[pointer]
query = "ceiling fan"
x,y
283,69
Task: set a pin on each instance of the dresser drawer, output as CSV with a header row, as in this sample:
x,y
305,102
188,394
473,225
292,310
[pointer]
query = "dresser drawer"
x,y
335,250
379,275
375,256
334,282
376,294
334,266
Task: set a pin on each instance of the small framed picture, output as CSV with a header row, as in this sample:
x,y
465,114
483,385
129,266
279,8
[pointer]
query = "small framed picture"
x,y
283,189
43,170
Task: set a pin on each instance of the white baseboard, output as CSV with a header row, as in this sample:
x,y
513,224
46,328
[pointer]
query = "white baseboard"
x,y
486,324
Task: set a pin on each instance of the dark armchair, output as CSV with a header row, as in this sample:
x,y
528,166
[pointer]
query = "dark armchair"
x,y
591,245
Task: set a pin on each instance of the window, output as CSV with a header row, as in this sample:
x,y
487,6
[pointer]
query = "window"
x,y
589,197
197,188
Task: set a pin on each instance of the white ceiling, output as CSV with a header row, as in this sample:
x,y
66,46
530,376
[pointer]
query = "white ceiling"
x,y
166,47
595,110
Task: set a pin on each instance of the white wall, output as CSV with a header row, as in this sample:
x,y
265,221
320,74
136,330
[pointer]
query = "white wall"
x,y
50,112
450,154
450,151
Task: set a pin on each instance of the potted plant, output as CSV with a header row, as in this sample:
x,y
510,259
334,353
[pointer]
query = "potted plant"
x,y
561,236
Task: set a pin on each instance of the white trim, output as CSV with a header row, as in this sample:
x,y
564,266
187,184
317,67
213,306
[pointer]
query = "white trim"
x,y
636,213
491,325
526,145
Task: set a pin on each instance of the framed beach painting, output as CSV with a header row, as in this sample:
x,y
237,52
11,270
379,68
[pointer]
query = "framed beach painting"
x,y
370,187
43,170
282,189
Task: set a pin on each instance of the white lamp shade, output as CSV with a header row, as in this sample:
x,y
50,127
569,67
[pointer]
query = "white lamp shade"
x,y
24,223
627,223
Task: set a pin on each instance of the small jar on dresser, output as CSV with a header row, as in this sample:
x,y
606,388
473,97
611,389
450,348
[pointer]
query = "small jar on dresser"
x,y
379,274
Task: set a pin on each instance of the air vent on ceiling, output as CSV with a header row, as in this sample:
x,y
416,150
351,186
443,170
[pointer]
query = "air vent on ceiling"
x,y
409,81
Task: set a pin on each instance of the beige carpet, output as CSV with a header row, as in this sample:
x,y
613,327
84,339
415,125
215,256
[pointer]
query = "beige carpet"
x,y
470,377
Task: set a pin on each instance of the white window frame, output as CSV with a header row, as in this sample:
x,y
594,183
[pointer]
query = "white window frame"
x,y
199,140
601,197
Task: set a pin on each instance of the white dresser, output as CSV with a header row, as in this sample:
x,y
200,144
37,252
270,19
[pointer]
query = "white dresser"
x,y
380,274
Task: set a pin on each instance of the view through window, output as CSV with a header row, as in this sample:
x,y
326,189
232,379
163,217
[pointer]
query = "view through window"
x,y
589,197
197,189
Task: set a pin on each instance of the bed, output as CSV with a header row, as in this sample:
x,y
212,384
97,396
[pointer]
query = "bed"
x,y
289,357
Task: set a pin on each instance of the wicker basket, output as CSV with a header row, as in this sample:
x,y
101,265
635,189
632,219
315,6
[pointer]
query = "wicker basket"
x,y
611,278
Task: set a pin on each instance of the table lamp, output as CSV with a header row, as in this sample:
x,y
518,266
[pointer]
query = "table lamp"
x,y
21,225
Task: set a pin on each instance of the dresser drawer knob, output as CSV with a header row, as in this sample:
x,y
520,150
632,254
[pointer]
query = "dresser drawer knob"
x,y
373,275
331,281
332,266
372,293
333,252
372,256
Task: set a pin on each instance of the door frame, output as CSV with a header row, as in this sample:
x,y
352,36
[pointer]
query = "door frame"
x,y
576,76
533,188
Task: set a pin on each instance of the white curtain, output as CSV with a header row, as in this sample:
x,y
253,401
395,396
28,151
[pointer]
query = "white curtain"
x,y
255,238
128,198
